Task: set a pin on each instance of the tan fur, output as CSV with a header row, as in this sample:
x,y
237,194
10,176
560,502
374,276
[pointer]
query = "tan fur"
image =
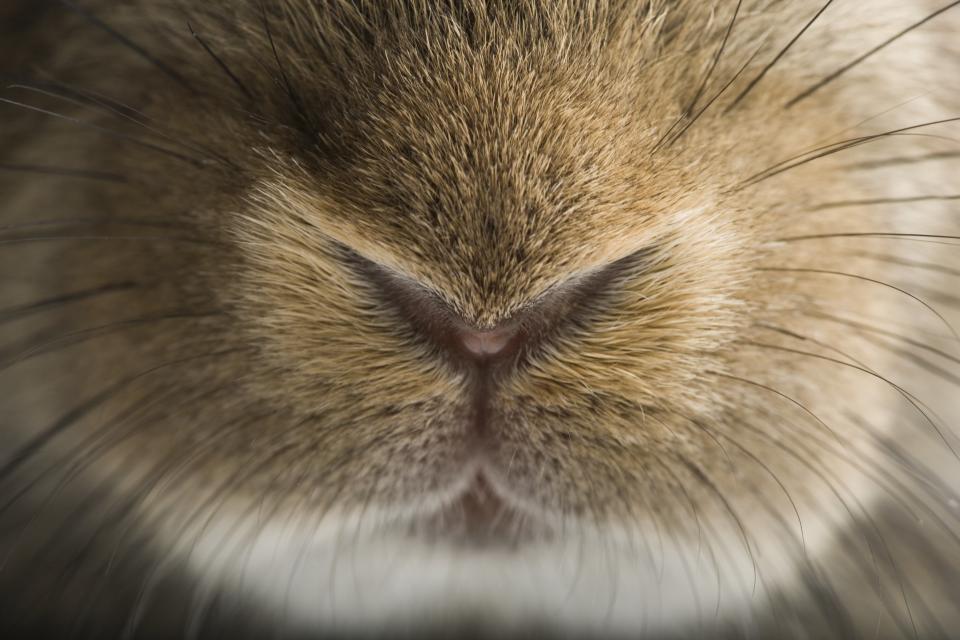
x,y
489,153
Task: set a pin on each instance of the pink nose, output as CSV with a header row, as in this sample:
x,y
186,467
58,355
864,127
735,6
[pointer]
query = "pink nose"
x,y
485,344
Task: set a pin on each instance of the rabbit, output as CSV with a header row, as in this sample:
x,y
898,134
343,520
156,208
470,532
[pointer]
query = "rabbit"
x,y
409,318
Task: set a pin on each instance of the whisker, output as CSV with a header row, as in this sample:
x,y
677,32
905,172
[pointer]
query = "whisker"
x,y
890,334
76,462
873,117
83,98
715,97
842,204
903,262
792,401
797,336
293,96
7,241
889,323
95,222
893,162
906,395
889,477
777,58
915,358
20,311
118,514
705,480
73,338
940,296
65,172
855,276
871,234
222,65
169,471
935,486
706,79
766,468
797,443
109,133
92,448
73,416
828,150
212,503
716,58
241,542
842,70
129,44
701,538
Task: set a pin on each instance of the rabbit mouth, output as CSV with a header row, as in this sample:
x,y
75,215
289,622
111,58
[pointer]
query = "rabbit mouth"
x,y
484,514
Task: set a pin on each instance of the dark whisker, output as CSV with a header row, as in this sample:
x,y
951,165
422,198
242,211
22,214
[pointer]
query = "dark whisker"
x,y
841,145
72,338
101,444
715,97
94,222
79,97
841,204
777,58
939,296
822,475
756,460
890,334
898,484
796,336
915,358
88,451
129,44
855,276
165,473
706,79
793,401
870,234
7,241
906,395
913,264
893,162
108,132
716,59
828,150
935,486
64,172
14,313
842,70
222,65
39,441
82,98
897,489
705,480
293,96
213,502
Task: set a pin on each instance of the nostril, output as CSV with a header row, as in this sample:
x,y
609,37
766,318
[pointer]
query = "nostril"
x,y
433,317
490,343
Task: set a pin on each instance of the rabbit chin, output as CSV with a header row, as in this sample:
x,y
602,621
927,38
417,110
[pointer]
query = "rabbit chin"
x,y
343,575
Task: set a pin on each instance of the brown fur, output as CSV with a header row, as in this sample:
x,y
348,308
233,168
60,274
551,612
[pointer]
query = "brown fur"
x,y
488,152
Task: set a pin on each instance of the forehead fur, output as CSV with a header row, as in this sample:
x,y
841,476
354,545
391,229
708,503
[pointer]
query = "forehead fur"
x,y
489,150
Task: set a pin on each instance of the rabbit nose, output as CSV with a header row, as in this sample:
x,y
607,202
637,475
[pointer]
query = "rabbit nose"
x,y
489,343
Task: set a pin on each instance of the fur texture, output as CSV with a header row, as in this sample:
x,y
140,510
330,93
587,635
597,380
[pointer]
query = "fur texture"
x,y
241,240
